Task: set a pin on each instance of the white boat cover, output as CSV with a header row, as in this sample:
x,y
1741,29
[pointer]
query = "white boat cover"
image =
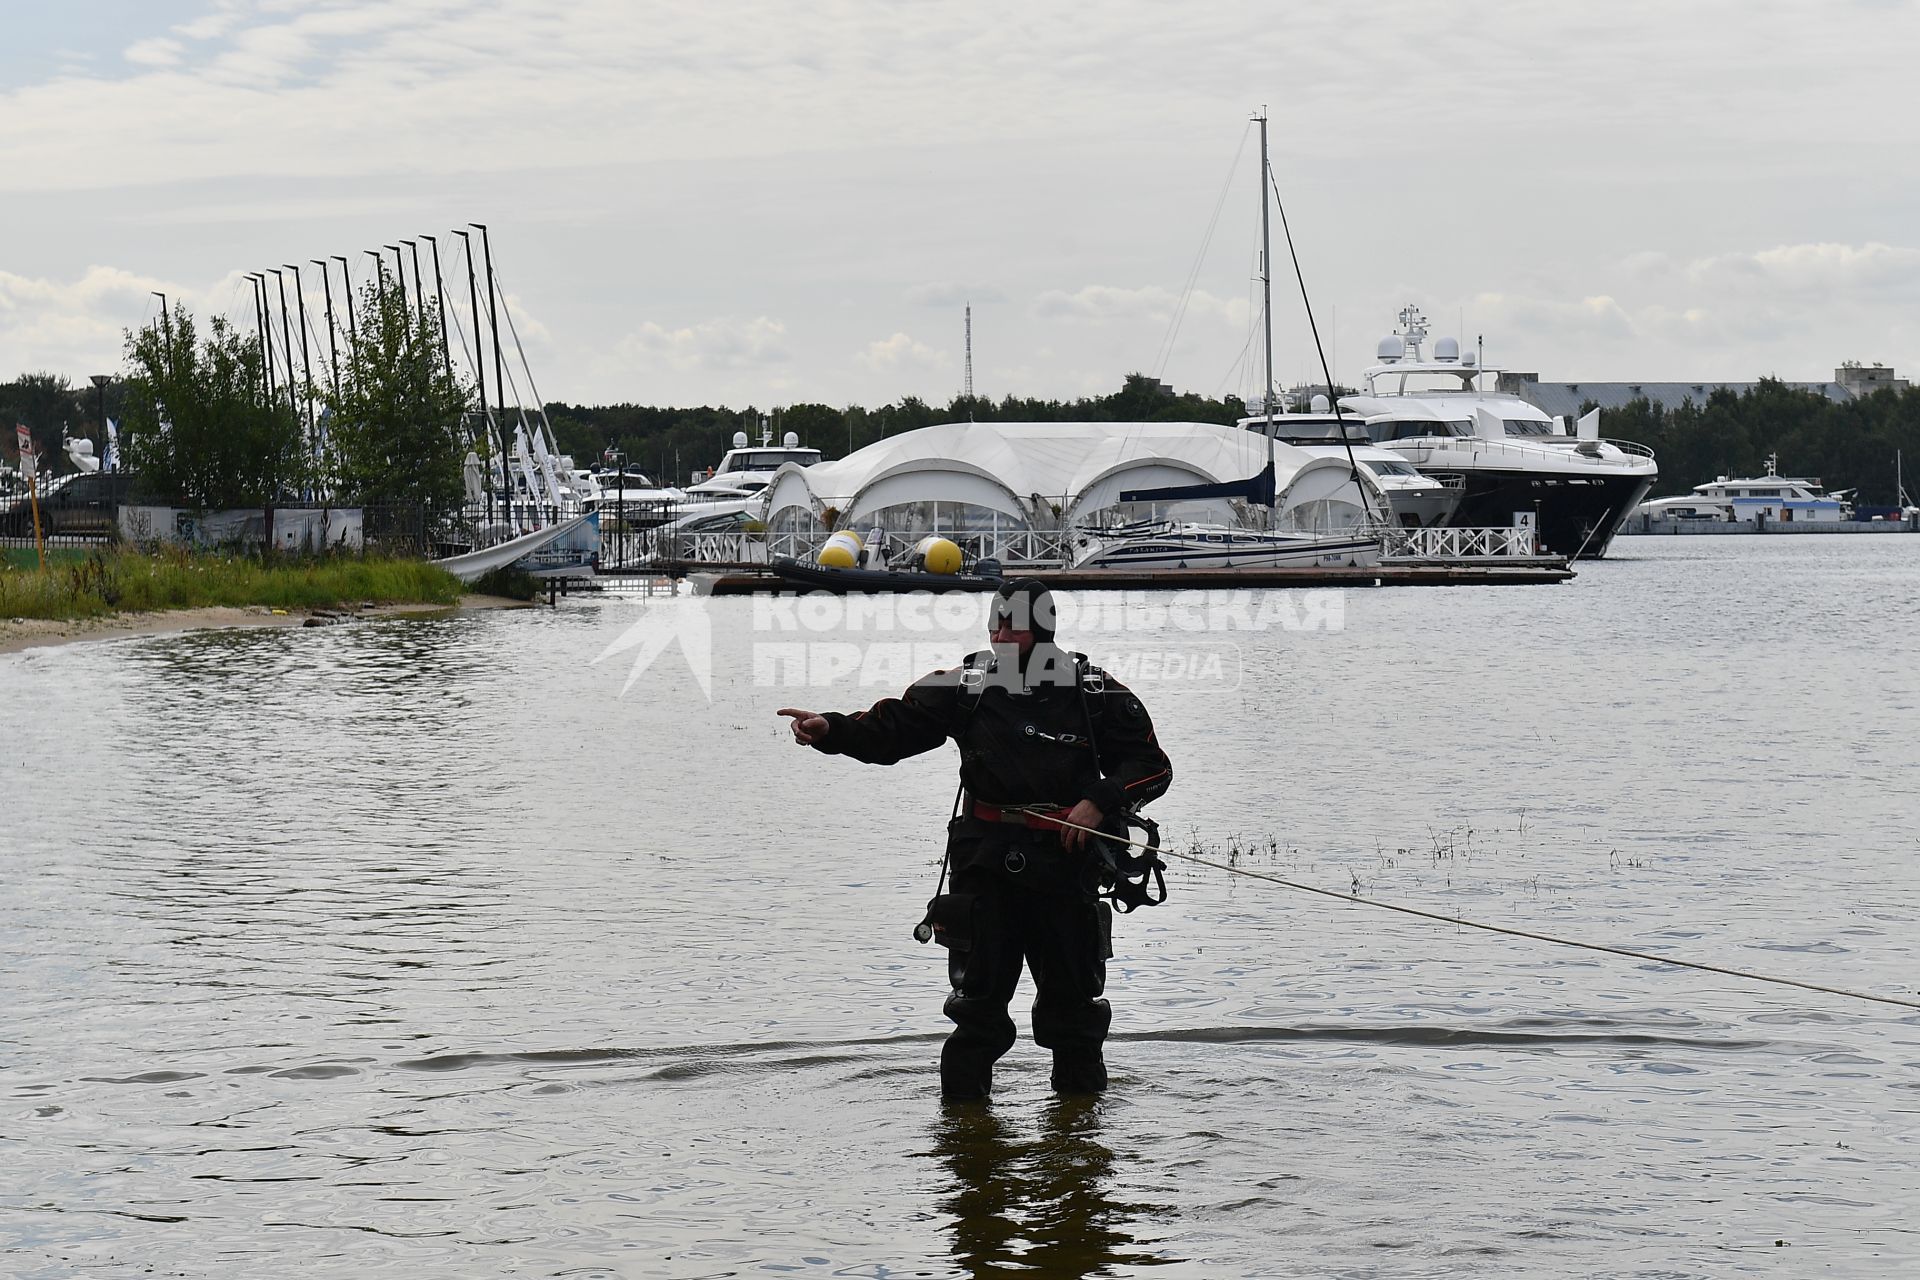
x,y
1050,474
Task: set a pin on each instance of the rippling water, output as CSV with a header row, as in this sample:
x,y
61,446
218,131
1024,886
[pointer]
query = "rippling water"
x,y
417,947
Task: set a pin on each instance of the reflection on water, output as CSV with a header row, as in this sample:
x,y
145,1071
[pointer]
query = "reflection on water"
x,y
415,947
1042,1203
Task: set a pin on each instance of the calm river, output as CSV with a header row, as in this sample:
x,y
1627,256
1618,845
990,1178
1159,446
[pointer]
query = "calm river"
x,y
433,949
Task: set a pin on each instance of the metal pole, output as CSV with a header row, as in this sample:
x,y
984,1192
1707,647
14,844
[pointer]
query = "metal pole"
x,y
1266,284
286,339
479,365
379,277
419,283
260,328
306,367
100,381
499,376
493,323
346,283
400,271
166,327
440,301
333,350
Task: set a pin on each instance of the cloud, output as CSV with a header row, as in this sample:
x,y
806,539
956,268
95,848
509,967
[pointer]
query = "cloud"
x,y
1822,269
77,324
902,352
953,295
722,343
1596,317
156,52
1099,304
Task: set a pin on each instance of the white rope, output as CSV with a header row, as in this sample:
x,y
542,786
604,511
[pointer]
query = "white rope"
x,y
1462,921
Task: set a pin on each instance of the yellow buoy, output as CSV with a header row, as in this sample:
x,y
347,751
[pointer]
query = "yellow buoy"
x,y
937,555
841,550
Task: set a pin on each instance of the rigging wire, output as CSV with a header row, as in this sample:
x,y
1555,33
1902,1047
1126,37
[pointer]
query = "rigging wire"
x,y
1313,326
1354,898
1165,352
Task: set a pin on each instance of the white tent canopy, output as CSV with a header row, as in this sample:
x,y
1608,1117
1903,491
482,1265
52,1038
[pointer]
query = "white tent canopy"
x,y
1044,475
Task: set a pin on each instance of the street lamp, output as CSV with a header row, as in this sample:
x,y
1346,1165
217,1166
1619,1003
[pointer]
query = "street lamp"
x,y
618,461
100,381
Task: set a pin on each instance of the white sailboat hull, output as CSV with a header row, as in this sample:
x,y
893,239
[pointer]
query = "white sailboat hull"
x,y
474,565
1201,547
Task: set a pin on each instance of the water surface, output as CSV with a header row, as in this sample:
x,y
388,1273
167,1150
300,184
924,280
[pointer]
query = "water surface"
x,y
416,947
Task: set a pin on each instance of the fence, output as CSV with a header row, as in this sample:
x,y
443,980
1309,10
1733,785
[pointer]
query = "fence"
x,y
1459,544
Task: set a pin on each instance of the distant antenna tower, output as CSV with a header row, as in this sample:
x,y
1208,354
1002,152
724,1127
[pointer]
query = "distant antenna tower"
x,y
969,389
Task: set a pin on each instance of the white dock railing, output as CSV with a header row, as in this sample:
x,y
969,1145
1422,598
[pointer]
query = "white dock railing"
x,y
1459,544
1047,548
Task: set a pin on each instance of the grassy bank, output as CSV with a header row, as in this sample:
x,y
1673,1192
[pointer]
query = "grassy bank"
x,y
109,582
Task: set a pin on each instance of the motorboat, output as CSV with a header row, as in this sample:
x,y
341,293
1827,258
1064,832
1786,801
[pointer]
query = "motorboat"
x,y
628,487
1418,501
746,469
1787,499
1514,464
1171,545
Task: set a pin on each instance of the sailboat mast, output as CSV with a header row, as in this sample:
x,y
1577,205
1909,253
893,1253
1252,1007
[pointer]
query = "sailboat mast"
x,y
440,303
1266,285
346,287
333,345
306,359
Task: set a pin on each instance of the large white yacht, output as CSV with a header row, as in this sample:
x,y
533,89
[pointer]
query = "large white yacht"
x,y
1513,463
747,469
1787,499
1418,501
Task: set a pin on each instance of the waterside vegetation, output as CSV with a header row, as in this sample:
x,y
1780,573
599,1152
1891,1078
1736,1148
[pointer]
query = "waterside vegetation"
x,y
126,581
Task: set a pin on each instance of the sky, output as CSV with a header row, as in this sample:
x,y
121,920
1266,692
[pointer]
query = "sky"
x,y
759,202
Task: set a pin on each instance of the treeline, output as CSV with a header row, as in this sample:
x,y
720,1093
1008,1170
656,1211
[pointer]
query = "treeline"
x,y
50,406
1847,444
673,443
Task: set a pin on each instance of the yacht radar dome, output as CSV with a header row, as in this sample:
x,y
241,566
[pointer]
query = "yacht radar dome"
x,y
1320,404
1447,350
1391,348
790,441
739,439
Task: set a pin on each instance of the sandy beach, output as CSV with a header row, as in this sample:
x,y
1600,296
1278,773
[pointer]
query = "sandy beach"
x,y
17,634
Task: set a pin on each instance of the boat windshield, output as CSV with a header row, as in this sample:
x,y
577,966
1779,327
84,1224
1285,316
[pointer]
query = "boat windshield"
x,y
1417,429
1380,468
1524,427
766,459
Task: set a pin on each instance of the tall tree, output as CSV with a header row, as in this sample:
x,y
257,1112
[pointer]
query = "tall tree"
x,y
397,428
200,427
43,403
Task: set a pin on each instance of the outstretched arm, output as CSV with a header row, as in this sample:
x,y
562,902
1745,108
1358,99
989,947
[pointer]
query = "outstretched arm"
x,y
809,727
887,732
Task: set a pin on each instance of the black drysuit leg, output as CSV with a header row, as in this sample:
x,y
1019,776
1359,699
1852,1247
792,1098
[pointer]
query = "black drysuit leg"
x,y
1062,938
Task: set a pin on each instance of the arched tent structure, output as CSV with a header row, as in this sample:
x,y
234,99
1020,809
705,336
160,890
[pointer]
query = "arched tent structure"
x,y
985,478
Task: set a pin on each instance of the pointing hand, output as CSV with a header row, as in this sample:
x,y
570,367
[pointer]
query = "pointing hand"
x,y
808,727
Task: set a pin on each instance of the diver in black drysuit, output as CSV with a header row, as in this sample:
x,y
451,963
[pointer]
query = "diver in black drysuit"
x,y
1039,731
